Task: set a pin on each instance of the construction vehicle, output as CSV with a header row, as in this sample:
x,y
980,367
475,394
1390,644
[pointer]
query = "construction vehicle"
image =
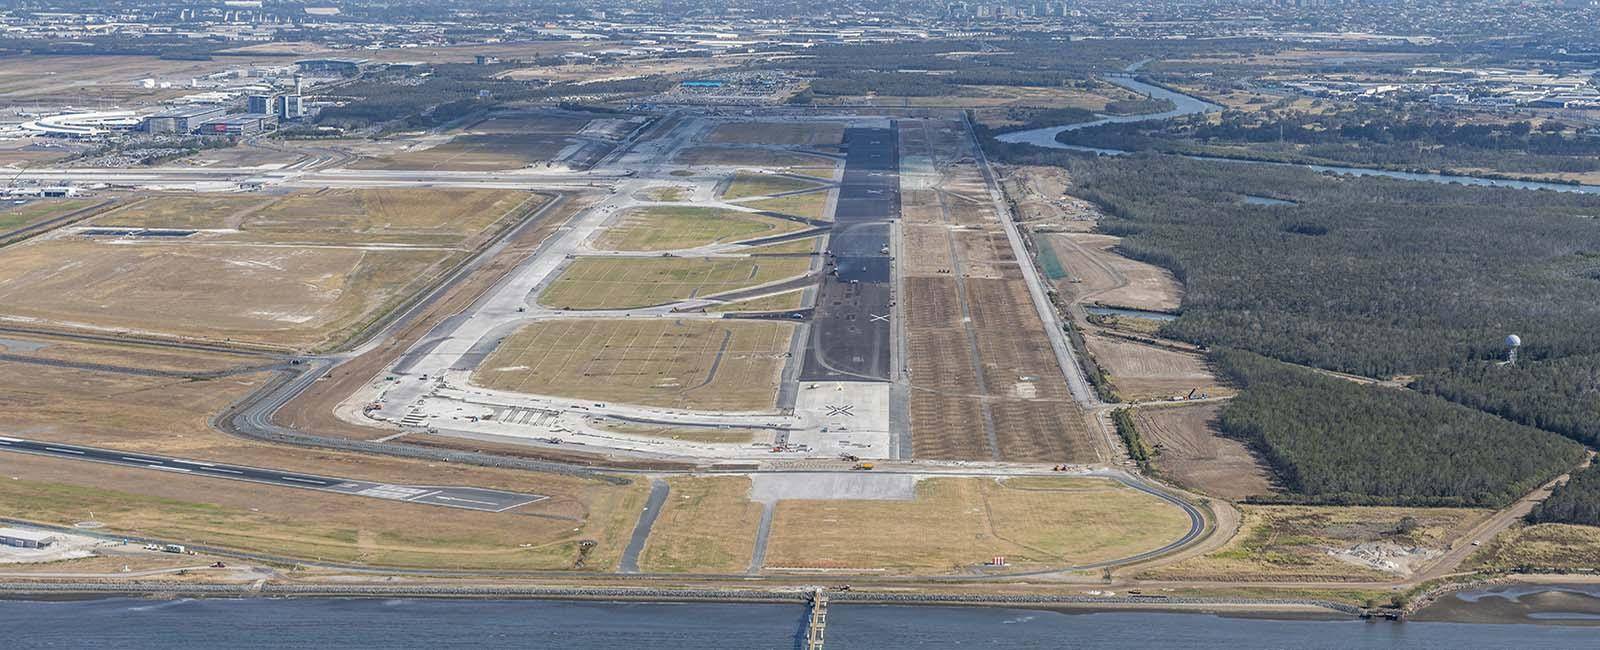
x,y
849,457
863,466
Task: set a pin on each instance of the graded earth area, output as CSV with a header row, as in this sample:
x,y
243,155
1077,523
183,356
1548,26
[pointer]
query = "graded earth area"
x,y
300,271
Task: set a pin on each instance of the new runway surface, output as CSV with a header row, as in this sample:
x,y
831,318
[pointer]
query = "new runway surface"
x,y
468,498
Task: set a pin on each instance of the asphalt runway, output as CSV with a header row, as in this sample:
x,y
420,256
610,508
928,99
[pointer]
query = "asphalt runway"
x,y
850,333
467,498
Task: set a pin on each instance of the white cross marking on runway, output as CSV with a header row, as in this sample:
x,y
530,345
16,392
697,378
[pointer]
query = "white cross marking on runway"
x,y
876,318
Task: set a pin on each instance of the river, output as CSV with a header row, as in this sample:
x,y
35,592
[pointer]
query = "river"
x,y
1188,105
286,624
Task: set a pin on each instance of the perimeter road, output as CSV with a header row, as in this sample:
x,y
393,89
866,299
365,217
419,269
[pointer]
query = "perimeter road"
x,y
466,498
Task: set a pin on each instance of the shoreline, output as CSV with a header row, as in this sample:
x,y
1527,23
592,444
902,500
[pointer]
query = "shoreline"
x,y
1289,609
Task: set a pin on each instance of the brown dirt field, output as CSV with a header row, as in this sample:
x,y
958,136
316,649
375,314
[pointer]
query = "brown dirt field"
x,y
1110,278
933,302
1191,453
941,363
984,254
948,428
956,524
718,365
1041,432
778,133
932,250
707,525
1144,372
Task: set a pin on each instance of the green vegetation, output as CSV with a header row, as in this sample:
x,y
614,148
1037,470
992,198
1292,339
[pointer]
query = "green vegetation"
x,y
1373,276
1560,395
1137,449
1575,502
1334,441
1363,135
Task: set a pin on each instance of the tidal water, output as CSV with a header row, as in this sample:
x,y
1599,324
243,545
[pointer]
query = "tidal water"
x,y
285,624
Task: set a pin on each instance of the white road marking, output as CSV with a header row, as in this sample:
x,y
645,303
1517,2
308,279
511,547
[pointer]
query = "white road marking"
x,y
481,503
303,480
219,469
64,451
170,469
193,462
5,439
141,460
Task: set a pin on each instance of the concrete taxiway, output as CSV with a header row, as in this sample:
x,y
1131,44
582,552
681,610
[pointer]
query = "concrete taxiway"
x,y
467,498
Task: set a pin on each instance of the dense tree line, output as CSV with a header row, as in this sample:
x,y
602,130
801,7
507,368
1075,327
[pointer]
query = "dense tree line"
x,y
1575,502
1366,136
1373,276
1331,440
453,91
1560,395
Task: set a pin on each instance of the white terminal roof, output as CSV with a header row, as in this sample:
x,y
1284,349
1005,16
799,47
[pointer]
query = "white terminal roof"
x,y
30,535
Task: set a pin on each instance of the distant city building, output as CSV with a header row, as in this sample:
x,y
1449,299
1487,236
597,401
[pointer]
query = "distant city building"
x,y
242,125
289,107
341,67
182,120
259,104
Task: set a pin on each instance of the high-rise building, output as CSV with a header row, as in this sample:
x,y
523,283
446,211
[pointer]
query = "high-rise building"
x,y
259,104
289,107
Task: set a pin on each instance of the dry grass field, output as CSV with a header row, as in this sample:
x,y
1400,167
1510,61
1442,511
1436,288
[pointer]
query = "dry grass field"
x,y
1284,543
1190,452
746,185
171,416
774,302
352,217
802,247
725,365
489,152
792,162
15,217
801,134
707,525
662,228
811,205
607,283
955,524
1542,546
302,271
131,355
292,297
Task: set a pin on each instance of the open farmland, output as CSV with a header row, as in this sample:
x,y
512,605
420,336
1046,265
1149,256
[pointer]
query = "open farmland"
x,y
779,133
955,524
606,283
661,228
707,525
693,364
